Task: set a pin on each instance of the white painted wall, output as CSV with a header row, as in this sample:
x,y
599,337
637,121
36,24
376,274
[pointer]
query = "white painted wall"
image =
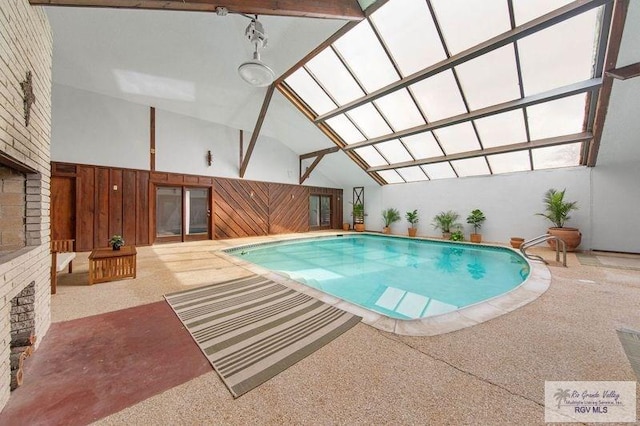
x,y
96,129
91,128
509,202
616,177
182,143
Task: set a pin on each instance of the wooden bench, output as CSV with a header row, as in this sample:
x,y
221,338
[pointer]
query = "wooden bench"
x,y
62,253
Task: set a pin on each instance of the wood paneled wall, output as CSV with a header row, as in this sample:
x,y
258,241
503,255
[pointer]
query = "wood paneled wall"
x,y
241,208
109,200
288,208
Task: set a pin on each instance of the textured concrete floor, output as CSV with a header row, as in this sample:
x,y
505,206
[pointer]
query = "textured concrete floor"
x,y
492,373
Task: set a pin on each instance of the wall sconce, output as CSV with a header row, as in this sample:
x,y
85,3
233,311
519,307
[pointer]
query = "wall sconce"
x,y
209,158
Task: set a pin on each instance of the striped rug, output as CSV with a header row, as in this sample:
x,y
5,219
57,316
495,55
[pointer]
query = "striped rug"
x,y
252,328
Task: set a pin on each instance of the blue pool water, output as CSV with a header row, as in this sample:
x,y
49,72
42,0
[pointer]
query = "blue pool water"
x,y
398,277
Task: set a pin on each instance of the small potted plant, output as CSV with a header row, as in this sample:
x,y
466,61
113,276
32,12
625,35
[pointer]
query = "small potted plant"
x,y
557,212
116,242
457,235
475,219
516,242
390,216
412,218
358,217
445,221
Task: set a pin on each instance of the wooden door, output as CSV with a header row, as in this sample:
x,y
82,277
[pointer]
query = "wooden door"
x,y
63,208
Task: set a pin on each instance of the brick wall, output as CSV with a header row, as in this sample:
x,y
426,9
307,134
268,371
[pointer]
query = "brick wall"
x,y
26,45
12,210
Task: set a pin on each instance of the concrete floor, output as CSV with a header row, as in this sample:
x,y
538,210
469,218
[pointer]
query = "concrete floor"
x,y
492,373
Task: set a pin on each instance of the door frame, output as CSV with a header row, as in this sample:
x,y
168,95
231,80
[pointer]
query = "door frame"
x,y
183,237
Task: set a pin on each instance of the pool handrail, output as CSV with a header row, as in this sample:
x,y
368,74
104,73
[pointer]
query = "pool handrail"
x,y
541,239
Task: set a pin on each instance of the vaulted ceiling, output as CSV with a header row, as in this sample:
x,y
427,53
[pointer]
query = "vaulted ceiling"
x,y
186,62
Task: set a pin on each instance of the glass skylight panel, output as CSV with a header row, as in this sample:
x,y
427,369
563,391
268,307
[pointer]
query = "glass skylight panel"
x,y
556,156
345,129
412,174
458,138
309,91
369,120
371,156
439,170
334,77
502,129
559,55
466,23
439,96
394,151
556,118
509,162
527,10
423,145
409,33
490,79
364,54
400,110
476,166
391,176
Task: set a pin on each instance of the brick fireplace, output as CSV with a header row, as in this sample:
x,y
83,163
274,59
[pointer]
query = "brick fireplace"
x,y
25,259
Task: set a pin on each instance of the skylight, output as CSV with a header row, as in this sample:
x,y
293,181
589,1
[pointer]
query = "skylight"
x,y
416,98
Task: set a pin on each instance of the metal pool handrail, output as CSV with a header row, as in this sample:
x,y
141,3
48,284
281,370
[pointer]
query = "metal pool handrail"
x,y
541,239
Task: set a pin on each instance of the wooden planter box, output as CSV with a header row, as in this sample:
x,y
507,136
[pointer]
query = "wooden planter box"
x,y
106,264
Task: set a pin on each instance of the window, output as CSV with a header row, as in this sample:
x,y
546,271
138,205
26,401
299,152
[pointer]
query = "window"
x,y
409,87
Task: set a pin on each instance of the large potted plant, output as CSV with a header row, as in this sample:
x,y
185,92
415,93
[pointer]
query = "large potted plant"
x,y
445,221
390,216
358,217
475,219
557,212
412,218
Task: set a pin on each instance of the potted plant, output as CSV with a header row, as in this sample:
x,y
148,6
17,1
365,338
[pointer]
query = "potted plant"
x,y
475,219
412,218
557,212
390,216
516,242
457,236
116,242
358,217
445,221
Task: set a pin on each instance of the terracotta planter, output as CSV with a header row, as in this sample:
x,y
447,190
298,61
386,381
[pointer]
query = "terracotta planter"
x,y
359,227
413,232
571,237
446,235
475,238
345,226
516,242
386,230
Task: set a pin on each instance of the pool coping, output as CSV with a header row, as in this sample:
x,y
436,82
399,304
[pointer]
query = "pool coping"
x,y
529,290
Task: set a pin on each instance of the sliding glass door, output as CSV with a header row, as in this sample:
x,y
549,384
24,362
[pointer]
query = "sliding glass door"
x,y
182,213
319,211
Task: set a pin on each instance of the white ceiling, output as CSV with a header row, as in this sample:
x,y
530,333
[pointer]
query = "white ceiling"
x,y
186,62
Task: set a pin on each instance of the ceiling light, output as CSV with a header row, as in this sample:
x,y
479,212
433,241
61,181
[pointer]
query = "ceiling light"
x,y
255,72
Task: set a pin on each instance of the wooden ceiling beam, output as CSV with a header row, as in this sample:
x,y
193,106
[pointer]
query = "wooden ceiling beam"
x,y
302,107
318,155
623,73
257,128
320,152
331,9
